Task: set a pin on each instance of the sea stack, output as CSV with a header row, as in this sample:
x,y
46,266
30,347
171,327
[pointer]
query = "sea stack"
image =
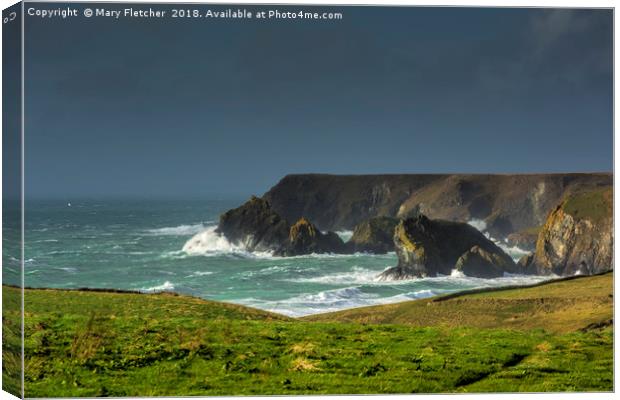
x,y
426,248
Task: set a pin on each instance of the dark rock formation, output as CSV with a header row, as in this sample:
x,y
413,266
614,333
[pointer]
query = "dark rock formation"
x,y
525,266
255,226
483,264
428,247
525,239
375,235
577,236
305,238
507,203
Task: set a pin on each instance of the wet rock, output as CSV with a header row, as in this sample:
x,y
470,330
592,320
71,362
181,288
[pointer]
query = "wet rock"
x,y
429,247
375,235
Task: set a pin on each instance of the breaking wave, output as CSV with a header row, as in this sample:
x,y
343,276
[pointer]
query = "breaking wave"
x,y
332,300
199,273
364,290
209,243
514,252
345,235
165,287
181,230
478,224
357,275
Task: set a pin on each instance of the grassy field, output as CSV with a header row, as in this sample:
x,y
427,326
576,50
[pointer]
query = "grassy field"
x,y
594,205
546,338
559,307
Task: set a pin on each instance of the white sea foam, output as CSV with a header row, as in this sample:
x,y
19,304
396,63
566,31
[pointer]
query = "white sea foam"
x,y
478,224
513,251
345,235
313,303
332,300
457,274
463,282
181,230
174,255
418,294
355,296
208,243
70,270
357,275
166,286
199,273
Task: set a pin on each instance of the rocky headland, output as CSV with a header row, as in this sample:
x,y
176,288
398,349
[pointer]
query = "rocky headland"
x,y
577,237
564,219
505,203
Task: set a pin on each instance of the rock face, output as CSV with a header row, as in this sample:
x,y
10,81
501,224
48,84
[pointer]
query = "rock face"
x,y
428,247
506,203
375,235
525,265
525,239
254,226
305,238
577,237
483,264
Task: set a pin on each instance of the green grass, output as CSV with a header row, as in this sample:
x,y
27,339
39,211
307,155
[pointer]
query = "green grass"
x,y
559,307
84,343
594,205
11,342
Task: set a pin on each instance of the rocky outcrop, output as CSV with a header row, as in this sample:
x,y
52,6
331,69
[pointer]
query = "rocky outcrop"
x,y
254,226
483,264
305,238
428,247
506,203
525,265
375,235
525,239
577,237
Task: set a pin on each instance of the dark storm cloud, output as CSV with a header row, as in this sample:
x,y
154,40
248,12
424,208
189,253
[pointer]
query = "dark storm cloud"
x,y
191,108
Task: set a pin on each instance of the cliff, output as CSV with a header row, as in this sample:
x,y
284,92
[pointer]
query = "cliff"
x,y
506,203
577,236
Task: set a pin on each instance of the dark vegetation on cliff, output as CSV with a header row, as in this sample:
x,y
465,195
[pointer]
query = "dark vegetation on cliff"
x,y
555,337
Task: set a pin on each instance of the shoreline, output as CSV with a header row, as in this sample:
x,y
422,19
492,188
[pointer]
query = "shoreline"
x,y
435,298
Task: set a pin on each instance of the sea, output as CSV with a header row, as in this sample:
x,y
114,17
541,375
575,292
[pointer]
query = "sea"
x,y
139,245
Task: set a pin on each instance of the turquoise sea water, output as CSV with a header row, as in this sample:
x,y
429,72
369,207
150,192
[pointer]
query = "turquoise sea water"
x,y
138,245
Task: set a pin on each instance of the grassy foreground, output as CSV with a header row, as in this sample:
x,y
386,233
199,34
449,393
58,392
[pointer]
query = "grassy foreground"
x,y
546,338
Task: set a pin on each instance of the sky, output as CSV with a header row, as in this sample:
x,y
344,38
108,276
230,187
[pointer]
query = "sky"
x,y
194,107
